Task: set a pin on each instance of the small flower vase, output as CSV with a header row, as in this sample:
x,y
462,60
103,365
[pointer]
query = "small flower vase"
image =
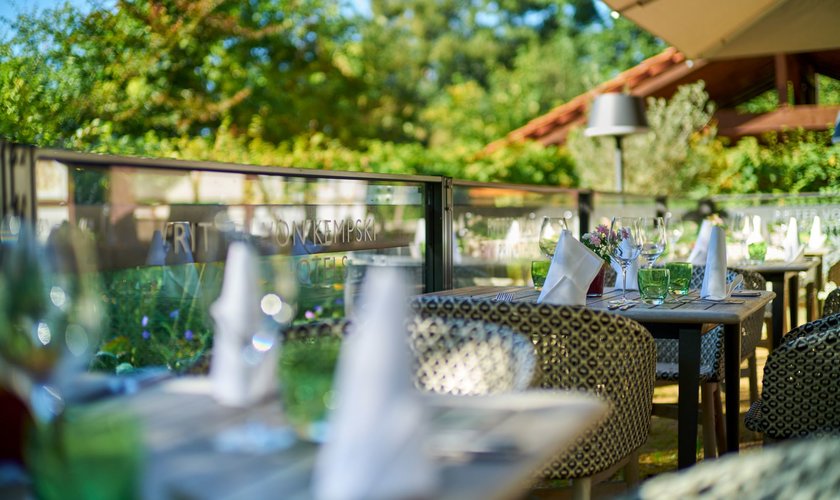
x,y
596,288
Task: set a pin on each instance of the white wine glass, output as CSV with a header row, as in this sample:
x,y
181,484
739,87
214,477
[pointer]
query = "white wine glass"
x,y
625,246
51,313
550,234
653,238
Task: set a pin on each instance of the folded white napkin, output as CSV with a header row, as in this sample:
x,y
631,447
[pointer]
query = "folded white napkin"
x,y
632,273
791,245
240,373
376,437
817,238
572,269
714,280
755,236
697,257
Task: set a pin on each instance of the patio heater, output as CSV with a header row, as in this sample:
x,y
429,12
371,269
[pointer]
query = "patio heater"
x,y
617,115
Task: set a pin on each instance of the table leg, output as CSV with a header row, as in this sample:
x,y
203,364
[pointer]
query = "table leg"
x,y
732,376
793,300
687,403
820,282
810,303
778,307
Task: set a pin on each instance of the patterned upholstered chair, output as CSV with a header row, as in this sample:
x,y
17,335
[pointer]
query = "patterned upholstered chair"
x,y
711,362
832,303
454,357
800,395
579,349
801,469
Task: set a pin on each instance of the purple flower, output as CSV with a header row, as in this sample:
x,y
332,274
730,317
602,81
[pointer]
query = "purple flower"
x,y
145,321
319,309
146,334
595,240
309,315
174,314
188,335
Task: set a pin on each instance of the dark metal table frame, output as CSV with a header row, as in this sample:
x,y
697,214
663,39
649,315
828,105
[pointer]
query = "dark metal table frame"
x,y
686,323
785,279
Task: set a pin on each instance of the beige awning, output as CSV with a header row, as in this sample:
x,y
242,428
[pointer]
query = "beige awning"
x,y
718,29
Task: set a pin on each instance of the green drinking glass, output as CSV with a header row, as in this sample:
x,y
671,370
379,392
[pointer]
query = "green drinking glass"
x,y
539,270
680,277
653,284
86,453
307,368
757,251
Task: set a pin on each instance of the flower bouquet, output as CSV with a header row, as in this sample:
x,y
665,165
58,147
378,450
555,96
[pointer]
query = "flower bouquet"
x,y
598,242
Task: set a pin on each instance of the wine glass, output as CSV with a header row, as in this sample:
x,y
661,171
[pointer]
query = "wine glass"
x,y
550,233
50,314
652,237
625,245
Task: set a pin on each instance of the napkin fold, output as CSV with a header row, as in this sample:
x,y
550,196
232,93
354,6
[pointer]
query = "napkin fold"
x,y
377,432
697,257
791,246
572,269
714,280
817,239
632,273
240,373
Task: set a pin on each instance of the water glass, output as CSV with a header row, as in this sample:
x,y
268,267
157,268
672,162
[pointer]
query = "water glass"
x,y
624,240
653,284
757,252
539,270
680,277
89,454
653,238
307,367
550,233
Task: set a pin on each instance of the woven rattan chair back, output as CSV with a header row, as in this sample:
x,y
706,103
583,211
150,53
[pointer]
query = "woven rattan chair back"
x,y
801,469
800,394
832,303
455,356
578,349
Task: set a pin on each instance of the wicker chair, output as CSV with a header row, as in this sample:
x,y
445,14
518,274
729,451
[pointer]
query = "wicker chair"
x,y
832,303
454,357
605,354
800,395
711,362
802,469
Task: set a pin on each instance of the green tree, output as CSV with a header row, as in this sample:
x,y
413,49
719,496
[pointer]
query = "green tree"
x,y
678,156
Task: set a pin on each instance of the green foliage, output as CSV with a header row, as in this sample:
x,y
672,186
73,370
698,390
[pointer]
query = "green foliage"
x,y
159,317
679,155
793,162
417,86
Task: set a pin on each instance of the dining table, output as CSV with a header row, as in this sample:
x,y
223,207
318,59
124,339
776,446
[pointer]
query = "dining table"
x,y
484,447
784,277
685,319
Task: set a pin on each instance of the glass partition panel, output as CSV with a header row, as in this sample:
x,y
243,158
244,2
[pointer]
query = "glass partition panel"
x,y
497,230
682,219
162,236
609,205
775,212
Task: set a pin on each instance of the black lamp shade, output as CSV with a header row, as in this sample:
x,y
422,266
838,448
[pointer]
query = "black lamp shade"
x,y
835,138
616,114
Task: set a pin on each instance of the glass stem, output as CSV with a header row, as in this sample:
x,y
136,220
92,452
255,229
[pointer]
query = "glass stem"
x,y
624,280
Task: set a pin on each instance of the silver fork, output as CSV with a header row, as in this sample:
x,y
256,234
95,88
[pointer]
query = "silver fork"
x,y
504,297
